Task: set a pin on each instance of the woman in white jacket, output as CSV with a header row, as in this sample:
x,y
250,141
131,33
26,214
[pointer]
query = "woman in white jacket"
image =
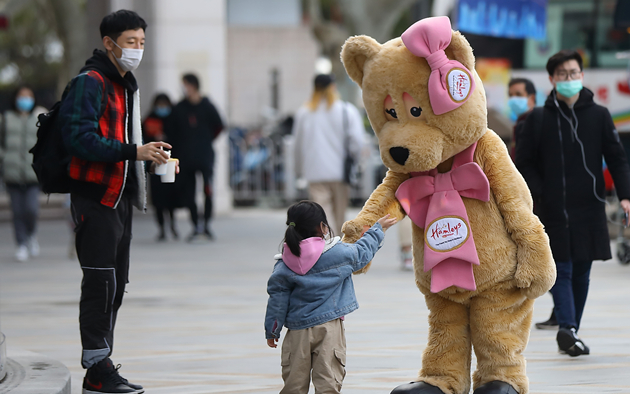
x,y
326,131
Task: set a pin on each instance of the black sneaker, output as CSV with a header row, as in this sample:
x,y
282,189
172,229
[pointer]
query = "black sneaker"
x,y
139,389
570,343
103,378
550,324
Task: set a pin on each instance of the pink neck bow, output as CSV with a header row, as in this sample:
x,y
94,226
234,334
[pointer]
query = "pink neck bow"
x,y
450,83
434,202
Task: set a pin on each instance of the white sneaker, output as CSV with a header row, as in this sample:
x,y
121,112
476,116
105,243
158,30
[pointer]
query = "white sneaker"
x,y
21,254
33,247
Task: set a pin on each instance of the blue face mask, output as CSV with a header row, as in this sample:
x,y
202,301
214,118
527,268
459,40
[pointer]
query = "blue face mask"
x,y
569,88
24,103
162,112
518,105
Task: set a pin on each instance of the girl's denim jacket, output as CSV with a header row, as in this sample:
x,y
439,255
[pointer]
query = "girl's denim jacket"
x,y
322,294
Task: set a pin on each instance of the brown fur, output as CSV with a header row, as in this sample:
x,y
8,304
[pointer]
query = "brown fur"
x,y
516,263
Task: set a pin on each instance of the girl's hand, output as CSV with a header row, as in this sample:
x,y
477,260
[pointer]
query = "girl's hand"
x,y
272,342
386,222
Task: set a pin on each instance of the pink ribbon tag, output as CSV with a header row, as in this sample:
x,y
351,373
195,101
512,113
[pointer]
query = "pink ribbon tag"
x,y
450,83
434,202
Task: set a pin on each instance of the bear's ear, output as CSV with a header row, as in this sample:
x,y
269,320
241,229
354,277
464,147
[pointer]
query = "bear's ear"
x,y
461,50
355,52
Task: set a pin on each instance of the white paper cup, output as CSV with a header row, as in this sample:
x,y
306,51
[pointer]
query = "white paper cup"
x,y
169,176
161,168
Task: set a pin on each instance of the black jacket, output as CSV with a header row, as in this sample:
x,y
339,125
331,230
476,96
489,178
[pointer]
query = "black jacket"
x,y
549,156
193,127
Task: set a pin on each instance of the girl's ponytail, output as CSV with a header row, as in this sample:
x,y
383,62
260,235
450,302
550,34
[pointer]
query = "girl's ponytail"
x,y
293,239
304,220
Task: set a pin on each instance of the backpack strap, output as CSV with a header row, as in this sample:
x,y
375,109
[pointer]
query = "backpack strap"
x,y
97,75
346,132
101,79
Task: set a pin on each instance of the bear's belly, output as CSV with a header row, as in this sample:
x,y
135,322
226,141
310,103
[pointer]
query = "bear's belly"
x,y
495,248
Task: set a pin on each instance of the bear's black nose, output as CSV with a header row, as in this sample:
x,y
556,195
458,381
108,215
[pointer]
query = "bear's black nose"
x,y
399,154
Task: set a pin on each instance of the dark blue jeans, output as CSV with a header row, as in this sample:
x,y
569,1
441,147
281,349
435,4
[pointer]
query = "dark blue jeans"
x,y
570,291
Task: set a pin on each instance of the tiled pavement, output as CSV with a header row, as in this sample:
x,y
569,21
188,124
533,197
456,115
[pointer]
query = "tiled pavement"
x,y
192,321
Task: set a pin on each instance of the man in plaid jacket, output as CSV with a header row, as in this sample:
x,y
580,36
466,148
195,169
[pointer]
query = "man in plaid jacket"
x,y
100,116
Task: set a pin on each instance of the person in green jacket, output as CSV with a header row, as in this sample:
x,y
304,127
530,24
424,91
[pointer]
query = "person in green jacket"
x,y
18,134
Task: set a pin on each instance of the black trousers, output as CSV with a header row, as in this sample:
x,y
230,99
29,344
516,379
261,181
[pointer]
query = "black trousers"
x,y
103,239
188,174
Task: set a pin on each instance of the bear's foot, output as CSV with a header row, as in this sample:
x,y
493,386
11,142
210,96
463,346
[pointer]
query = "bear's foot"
x,y
495,387
417,388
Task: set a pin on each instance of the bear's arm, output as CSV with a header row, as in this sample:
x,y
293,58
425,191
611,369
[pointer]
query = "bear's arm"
x,y
382,201
535,271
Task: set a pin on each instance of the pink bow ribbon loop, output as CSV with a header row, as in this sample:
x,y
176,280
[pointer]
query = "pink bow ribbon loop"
x,y
434,202
450,83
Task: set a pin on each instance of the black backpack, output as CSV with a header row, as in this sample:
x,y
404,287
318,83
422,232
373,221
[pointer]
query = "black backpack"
x,y
51,160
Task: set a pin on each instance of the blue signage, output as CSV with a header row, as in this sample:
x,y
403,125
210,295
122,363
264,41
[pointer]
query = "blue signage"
x,y
501,18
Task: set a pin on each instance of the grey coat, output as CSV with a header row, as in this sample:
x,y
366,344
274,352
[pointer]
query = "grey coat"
x,y
18,135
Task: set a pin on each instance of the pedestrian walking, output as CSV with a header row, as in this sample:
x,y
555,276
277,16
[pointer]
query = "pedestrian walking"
x,y
163,195
196,124
18,134
327,132
560,154
100,123
310,292
522,99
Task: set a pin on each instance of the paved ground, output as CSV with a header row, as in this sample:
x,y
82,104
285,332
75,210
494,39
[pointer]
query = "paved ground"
x,y
192,321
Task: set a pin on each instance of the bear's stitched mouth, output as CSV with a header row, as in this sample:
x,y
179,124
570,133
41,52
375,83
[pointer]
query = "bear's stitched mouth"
x,y
399,154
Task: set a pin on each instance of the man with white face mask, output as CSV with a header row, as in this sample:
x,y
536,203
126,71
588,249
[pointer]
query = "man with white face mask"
x,y
560,156
100,121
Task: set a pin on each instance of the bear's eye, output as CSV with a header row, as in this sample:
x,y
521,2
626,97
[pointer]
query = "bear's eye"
x,y
415,111
392,112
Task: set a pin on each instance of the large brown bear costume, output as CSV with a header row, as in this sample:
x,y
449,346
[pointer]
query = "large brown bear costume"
x,y
515,265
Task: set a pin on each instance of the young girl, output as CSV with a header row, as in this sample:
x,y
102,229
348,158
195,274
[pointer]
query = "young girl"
x,y
310,291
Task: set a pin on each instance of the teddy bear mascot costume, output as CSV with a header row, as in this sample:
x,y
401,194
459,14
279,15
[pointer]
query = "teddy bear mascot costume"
x,y
481,257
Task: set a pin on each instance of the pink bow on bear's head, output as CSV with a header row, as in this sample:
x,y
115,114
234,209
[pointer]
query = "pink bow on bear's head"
x,y
450,83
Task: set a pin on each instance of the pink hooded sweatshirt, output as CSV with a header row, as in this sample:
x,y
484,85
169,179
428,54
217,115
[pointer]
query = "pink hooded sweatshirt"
x,y
310,251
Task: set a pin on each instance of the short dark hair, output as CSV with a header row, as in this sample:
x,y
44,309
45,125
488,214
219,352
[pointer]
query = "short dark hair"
x,y
191,79
529,85
561,57
15,95
117,22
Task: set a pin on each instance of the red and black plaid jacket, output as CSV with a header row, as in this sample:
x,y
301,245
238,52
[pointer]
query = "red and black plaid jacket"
x,y
95,133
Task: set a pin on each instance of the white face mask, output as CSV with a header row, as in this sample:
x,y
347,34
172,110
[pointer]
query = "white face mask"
x,y
130,59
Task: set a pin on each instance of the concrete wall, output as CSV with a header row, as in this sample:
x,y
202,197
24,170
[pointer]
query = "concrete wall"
x,y
253,54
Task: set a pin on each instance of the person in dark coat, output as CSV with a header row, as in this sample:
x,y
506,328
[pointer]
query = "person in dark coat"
x,y
162,194
195,124
560,156
522,99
